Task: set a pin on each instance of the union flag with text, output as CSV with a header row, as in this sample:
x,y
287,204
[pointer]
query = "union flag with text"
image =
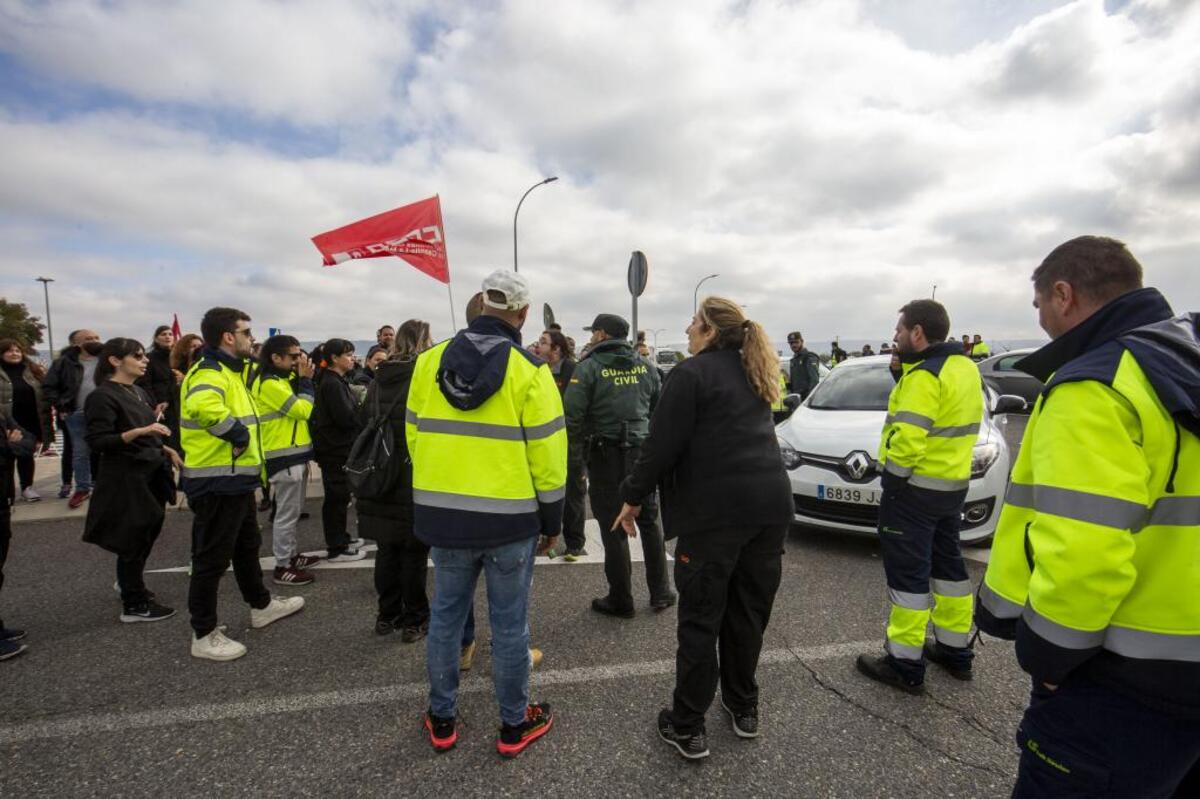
x,y
412,232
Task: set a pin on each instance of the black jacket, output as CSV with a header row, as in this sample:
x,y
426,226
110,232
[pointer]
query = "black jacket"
x,y
333,423
394,511
159,383
61,385
135,482
712,451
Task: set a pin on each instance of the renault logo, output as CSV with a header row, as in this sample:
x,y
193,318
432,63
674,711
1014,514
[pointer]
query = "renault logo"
x,y
857,464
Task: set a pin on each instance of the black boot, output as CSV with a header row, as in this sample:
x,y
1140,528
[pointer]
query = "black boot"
x,y
881,670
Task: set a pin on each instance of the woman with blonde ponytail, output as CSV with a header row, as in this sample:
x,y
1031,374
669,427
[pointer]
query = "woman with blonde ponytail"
x,y
713,455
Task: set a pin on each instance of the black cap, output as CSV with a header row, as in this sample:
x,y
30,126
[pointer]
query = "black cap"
x,y
611,324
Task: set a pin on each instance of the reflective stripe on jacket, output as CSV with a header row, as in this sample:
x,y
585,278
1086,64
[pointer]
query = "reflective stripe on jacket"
x,y
217,416
283,414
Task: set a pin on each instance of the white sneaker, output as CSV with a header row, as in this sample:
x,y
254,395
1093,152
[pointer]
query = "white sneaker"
x,y
31,495
215,646
280,606
349,555
357,543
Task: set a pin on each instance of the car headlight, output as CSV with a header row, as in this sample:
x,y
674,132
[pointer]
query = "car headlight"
x,y
982,458
791,458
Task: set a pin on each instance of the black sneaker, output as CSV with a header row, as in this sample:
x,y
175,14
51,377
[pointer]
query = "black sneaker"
x,y
692,747
881,670
443,733
385,627
538,721
146,611
9,634
605,606
414,633
10,649
934,653
663,602
745,722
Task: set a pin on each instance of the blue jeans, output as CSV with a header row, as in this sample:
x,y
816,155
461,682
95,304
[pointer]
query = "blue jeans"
x,y
508,570
81,454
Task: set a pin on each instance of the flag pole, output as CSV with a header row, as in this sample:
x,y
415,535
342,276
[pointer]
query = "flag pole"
x,y
449,290
453,323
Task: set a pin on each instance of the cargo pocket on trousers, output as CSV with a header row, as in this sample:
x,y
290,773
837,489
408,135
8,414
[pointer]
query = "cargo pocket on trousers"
x,y
696,582
1050,767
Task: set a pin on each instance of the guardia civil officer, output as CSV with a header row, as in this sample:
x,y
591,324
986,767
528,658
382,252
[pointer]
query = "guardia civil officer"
x,y
1096,563
934,414
608,405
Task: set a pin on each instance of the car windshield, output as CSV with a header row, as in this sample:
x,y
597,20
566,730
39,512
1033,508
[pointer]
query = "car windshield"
x,y
854,388
667,356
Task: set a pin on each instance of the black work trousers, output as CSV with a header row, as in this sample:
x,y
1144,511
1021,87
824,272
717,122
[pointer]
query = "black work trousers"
x,y
573,511
5,526
335,510
401,566
607,467
131,570
224,530
727,579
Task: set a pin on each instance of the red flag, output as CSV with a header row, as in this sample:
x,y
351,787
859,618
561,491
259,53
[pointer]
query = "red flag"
x,y
176,331
413,232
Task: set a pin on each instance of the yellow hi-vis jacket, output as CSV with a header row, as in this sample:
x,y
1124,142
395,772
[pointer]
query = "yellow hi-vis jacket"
x,y
216,418
934,414
283,414
494,472
1097,552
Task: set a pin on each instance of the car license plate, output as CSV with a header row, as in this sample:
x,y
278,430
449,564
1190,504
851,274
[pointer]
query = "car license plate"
x,y
858,496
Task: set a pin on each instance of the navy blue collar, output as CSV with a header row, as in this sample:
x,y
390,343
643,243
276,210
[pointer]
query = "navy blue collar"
x,y
495,326
223,358
943,350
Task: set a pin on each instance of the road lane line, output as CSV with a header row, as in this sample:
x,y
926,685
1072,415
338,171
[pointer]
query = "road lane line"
x,y
94,724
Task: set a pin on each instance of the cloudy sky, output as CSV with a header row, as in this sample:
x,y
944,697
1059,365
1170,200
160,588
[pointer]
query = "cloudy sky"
x,y
829,160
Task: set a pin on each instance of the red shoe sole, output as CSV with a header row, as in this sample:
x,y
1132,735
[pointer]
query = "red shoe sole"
x,y
512,750
441,744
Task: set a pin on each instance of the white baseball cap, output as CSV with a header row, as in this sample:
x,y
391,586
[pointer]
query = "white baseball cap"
x,y
513,286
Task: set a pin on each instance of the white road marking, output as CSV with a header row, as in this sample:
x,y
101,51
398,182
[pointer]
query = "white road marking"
x,y
591,529
98,723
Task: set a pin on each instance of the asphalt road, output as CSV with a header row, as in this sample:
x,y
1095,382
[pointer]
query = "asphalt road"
x,y
320,706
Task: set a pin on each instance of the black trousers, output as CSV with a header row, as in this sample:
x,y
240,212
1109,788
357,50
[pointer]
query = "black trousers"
x,y
727,581
1086,740
224,530
401,565
5,527
335,510
607,467
25,468
573,512
131,573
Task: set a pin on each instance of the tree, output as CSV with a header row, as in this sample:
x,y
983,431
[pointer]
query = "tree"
x,y
15,322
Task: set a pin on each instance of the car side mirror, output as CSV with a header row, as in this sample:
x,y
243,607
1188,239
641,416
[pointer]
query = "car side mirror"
x,y
1009,403
792,401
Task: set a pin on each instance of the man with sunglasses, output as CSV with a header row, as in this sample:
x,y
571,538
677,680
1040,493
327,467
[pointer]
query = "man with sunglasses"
x,y
223,465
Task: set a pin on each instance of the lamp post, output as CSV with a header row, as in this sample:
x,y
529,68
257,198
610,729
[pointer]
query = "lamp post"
x,y
523,196
655,334
46,281
696,293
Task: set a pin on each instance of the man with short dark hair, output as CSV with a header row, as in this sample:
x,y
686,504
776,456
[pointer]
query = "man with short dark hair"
x,y
1096,562
934,415
223,465
979,349
804,371
68,383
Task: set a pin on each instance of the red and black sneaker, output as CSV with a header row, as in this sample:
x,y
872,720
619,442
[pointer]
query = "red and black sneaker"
x,y
305,561
443,733
514,739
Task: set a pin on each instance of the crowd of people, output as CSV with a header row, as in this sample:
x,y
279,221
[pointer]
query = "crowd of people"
x,y
1094,569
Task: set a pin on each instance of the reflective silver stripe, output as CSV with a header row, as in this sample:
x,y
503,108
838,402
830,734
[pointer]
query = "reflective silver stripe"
x,y
410,416
220,471
223,426
1055,633
1080,506
900,471
270,417
903,651
1152,646
955,432
457,427
951,638
206,387
553,495
441,499
287,403
910,601
908,417
545,430
1175,512
307,396
951,587
997,605
283,453
937,483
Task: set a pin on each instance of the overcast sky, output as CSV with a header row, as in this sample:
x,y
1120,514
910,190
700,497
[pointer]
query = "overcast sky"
x,y
831,160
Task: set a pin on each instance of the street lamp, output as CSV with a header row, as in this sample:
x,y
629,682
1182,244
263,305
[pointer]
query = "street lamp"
x,y
696,293
655,334
46,281
523,196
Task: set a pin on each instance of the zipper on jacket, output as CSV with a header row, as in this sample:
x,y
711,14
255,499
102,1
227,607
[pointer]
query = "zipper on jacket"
x,y
1028,547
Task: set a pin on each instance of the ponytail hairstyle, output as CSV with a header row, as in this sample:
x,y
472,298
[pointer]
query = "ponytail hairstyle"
x,y
275,345
736,332
412,338
114,348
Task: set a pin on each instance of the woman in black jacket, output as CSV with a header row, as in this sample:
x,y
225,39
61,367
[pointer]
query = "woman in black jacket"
x,y
161,384
127,508
713,454
400,564
334,427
